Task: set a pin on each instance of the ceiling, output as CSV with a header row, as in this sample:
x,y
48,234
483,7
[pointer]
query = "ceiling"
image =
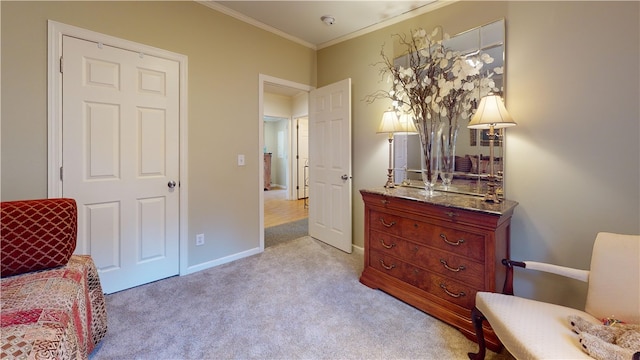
x,y
300,21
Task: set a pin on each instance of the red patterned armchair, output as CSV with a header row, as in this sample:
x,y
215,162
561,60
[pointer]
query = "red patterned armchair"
x,y
51,301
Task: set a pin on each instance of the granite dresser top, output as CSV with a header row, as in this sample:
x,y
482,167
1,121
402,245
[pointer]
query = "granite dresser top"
x,y
446,199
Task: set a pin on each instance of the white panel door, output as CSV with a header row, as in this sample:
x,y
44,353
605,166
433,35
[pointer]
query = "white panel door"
x,y
330,165
121,159
302,156
400,157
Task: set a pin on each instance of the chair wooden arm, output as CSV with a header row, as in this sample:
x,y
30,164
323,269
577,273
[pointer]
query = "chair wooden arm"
x,y
508,281
582,275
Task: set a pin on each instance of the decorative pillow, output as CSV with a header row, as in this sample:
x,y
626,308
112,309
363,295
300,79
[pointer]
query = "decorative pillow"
x,y
497,166
474,164
484,166
463,164
36,234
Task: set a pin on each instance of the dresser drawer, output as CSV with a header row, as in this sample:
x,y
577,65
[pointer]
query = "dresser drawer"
x,y
449,264
385,222
449,290
450,239
439,286
395,268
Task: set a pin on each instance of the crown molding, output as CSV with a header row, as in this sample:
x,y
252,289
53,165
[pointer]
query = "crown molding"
x,y
225,10
436,4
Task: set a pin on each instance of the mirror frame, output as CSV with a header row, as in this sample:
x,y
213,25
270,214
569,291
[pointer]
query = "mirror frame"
x,y
481,39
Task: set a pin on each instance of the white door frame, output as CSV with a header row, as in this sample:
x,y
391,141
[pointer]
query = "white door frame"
x,y
262,79
295,167
56,31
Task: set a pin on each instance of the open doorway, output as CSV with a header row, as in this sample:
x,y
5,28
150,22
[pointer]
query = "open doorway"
x,y
284,110
276,151
286,155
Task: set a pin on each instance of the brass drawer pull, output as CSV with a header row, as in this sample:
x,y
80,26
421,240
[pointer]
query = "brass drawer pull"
x,y
385,265
457,243
384,201
444,287
387,246
446,266
451,214
386,224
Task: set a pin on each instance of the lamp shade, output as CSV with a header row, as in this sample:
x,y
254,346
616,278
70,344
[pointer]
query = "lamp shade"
x,y
406,124
389,123
491,111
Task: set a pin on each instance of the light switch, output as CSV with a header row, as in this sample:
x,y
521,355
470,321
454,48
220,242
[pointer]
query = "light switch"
x,y
240,160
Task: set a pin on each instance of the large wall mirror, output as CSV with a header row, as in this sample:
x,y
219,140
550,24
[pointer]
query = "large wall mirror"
x,y
472,146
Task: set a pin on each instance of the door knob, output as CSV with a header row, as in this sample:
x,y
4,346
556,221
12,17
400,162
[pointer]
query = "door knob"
x,y
171,184
345,177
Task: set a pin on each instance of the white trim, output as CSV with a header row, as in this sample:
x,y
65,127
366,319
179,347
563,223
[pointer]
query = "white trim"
x,y
238,256
383,24
56,31
221,261
292,194
251,21
54,110
436,4
358,249
262,79
295,174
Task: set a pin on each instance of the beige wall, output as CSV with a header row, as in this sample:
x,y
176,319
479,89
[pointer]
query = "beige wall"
x,y
226,57
572,86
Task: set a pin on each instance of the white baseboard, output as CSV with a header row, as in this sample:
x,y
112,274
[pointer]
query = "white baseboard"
x,y
224,260
358,249
240,255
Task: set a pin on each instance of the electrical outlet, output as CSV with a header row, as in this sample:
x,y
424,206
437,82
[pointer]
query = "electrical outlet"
x,y
199,239
240,160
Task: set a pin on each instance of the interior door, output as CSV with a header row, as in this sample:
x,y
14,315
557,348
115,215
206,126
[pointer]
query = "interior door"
x,y
330,213
302,156
121,160
400,163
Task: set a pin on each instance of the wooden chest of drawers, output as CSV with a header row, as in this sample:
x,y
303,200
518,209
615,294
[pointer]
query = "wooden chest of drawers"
x,y
436,252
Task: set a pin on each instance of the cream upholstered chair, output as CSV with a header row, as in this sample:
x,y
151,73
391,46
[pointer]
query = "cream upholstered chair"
x,y
532,329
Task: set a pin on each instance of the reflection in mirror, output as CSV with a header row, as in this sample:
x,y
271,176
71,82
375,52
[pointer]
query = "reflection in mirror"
x,y
472,146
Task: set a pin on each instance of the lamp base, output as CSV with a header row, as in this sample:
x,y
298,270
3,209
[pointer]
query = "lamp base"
x,y
390,184
491,195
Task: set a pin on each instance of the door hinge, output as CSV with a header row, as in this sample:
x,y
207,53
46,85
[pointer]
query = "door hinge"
x,y
61,65
60,173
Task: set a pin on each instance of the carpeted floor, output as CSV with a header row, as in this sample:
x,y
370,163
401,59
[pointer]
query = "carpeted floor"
x,y
286,232
297,300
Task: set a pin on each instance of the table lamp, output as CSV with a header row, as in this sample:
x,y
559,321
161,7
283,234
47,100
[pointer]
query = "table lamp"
x,y
389,125
491,114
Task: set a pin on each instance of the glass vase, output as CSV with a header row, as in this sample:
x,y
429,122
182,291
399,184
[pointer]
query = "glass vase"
x,y
448,137
430,140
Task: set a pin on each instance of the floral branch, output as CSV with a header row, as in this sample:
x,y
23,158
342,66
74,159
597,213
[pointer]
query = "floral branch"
x,y
437,85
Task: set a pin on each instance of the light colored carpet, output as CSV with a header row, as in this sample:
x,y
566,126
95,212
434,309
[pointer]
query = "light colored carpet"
x,y
297,300
286,232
